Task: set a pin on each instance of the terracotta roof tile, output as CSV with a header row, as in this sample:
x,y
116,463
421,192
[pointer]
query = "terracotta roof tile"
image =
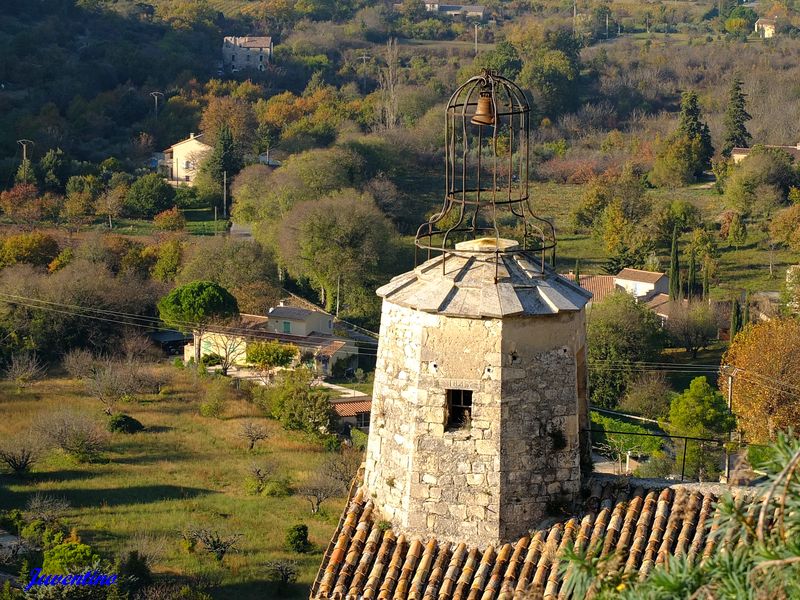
x,y
350,408
640,275
638,525
599,285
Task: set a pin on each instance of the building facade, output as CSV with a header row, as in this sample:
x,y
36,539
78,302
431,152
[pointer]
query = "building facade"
x,y
249,53
182,160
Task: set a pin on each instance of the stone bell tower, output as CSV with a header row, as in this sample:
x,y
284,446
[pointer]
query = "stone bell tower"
x,y
480,397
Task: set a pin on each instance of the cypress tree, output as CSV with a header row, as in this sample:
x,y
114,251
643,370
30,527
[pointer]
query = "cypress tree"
x,y
674,268
691,276
706,283
736,318
224,157
578,271
736,134
692,126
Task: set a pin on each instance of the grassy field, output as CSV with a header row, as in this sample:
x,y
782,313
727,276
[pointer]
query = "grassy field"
x,y
184,470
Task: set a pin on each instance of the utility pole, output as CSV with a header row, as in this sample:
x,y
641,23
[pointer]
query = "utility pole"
x,y
731,372
606,25
224,194
24,143
364,58
338,286
574,15
155,96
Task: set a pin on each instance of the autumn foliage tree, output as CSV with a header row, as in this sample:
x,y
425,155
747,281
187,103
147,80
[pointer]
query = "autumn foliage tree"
x,y
765,396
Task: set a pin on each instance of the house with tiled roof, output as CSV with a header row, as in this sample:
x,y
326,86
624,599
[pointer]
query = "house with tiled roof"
x,y
353,411
641,284
766,27
310,330
246,53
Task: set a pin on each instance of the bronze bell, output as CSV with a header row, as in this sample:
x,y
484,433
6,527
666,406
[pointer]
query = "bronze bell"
x,y
484,114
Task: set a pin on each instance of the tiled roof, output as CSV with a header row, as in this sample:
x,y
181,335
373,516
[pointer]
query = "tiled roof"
x,y
599,285
250,41
639,523
350,408
289,312
639,275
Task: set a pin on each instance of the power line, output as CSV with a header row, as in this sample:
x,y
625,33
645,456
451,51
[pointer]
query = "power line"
x,y
154,321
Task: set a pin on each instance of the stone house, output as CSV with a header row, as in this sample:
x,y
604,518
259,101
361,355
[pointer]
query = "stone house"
x,y
182,160
249,53
765,27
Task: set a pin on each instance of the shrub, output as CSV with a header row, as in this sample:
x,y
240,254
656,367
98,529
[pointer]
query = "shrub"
x,y
20,452
171,219
79,363
134,572
297,538
217,393
359,439
148,195
178,363
211,360
76,434
68,557
124,424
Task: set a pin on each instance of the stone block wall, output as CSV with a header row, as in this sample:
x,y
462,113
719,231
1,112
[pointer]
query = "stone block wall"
x,y
489,481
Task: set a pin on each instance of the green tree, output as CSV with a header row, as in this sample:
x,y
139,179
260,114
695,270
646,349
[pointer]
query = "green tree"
x,y
677,161
736,117
270,355
54,170
700,411
692,326
674,268
297,405
194,306
690,124
34,248
621,332
691,277
225,157
736,318
578,271
149,195
342,242
737,231
25,172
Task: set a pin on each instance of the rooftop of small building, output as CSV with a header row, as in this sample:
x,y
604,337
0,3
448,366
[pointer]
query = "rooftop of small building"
x,y
485,278
638,522
639,275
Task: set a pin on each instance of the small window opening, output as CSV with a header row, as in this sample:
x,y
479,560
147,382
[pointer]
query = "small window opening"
x,y
362,419
459,409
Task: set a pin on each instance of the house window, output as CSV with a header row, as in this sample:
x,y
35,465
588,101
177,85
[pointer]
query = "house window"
x,y
233,58
260,58
459,409
187,164
247,58
362,419
287,327
186,178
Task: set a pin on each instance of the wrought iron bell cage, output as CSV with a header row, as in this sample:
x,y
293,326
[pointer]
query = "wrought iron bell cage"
x,y
487,133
